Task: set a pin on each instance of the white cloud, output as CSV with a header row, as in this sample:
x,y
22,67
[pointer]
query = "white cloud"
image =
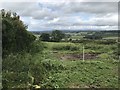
x,y
59,0
51,14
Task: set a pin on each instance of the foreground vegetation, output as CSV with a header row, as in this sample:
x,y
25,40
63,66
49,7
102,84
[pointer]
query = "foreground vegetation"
x,y
73,72
59,62
50,70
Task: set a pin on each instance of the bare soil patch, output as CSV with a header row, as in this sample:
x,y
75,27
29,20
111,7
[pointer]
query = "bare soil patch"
x,y
87,56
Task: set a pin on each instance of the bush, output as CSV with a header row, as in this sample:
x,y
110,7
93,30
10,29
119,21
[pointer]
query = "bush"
x,y
19,48
21,70
104,56
15,68
93,47
82,41
35,47
14,79
71,47
52,65
15,37
106,42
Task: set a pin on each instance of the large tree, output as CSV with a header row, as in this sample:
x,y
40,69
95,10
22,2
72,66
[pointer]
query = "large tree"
x,y
15,37
57,35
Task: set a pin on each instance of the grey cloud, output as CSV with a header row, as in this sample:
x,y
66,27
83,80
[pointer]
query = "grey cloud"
x,y
37,10
101,11
91,7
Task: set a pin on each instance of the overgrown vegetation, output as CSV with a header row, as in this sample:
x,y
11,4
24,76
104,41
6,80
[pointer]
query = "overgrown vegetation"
x,y
57,60
15,37
19,48
71,47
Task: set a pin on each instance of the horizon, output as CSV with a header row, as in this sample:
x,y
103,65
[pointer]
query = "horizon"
x,y
70,30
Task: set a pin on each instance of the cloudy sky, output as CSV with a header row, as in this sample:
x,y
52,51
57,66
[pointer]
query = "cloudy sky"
x,y
66,15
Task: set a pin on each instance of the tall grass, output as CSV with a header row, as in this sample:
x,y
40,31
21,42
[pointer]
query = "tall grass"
x,y
71,47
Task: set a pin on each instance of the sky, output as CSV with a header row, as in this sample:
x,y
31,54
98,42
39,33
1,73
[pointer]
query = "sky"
x,y
41,15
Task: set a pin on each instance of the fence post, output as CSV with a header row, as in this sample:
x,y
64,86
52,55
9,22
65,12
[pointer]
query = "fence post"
x,y
83,54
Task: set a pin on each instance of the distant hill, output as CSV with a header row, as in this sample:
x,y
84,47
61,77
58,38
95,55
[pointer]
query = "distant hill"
x,y
76,31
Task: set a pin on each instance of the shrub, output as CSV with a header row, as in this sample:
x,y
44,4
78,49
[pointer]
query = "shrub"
x,y
15,37
21,70
82,41
106,42
52,65
35,47
104,56
71,47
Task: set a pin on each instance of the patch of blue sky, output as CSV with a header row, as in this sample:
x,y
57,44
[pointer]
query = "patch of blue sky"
x,y
50,6
26,20
83,16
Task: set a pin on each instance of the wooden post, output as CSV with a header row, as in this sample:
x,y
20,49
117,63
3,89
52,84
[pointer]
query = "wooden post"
x,y
83,55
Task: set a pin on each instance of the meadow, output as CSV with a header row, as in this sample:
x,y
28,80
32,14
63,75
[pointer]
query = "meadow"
x,y
68,70
61,65
60,45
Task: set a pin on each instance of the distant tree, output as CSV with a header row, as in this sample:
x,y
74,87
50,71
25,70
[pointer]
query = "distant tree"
x,y
57,35
45,37
67,35
93,37
70,39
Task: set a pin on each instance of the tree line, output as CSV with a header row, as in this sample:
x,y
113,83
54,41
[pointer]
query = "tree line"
x,y
55,36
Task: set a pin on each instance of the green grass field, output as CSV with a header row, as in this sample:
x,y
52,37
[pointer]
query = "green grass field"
x,y
61,65
101,72
54,51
